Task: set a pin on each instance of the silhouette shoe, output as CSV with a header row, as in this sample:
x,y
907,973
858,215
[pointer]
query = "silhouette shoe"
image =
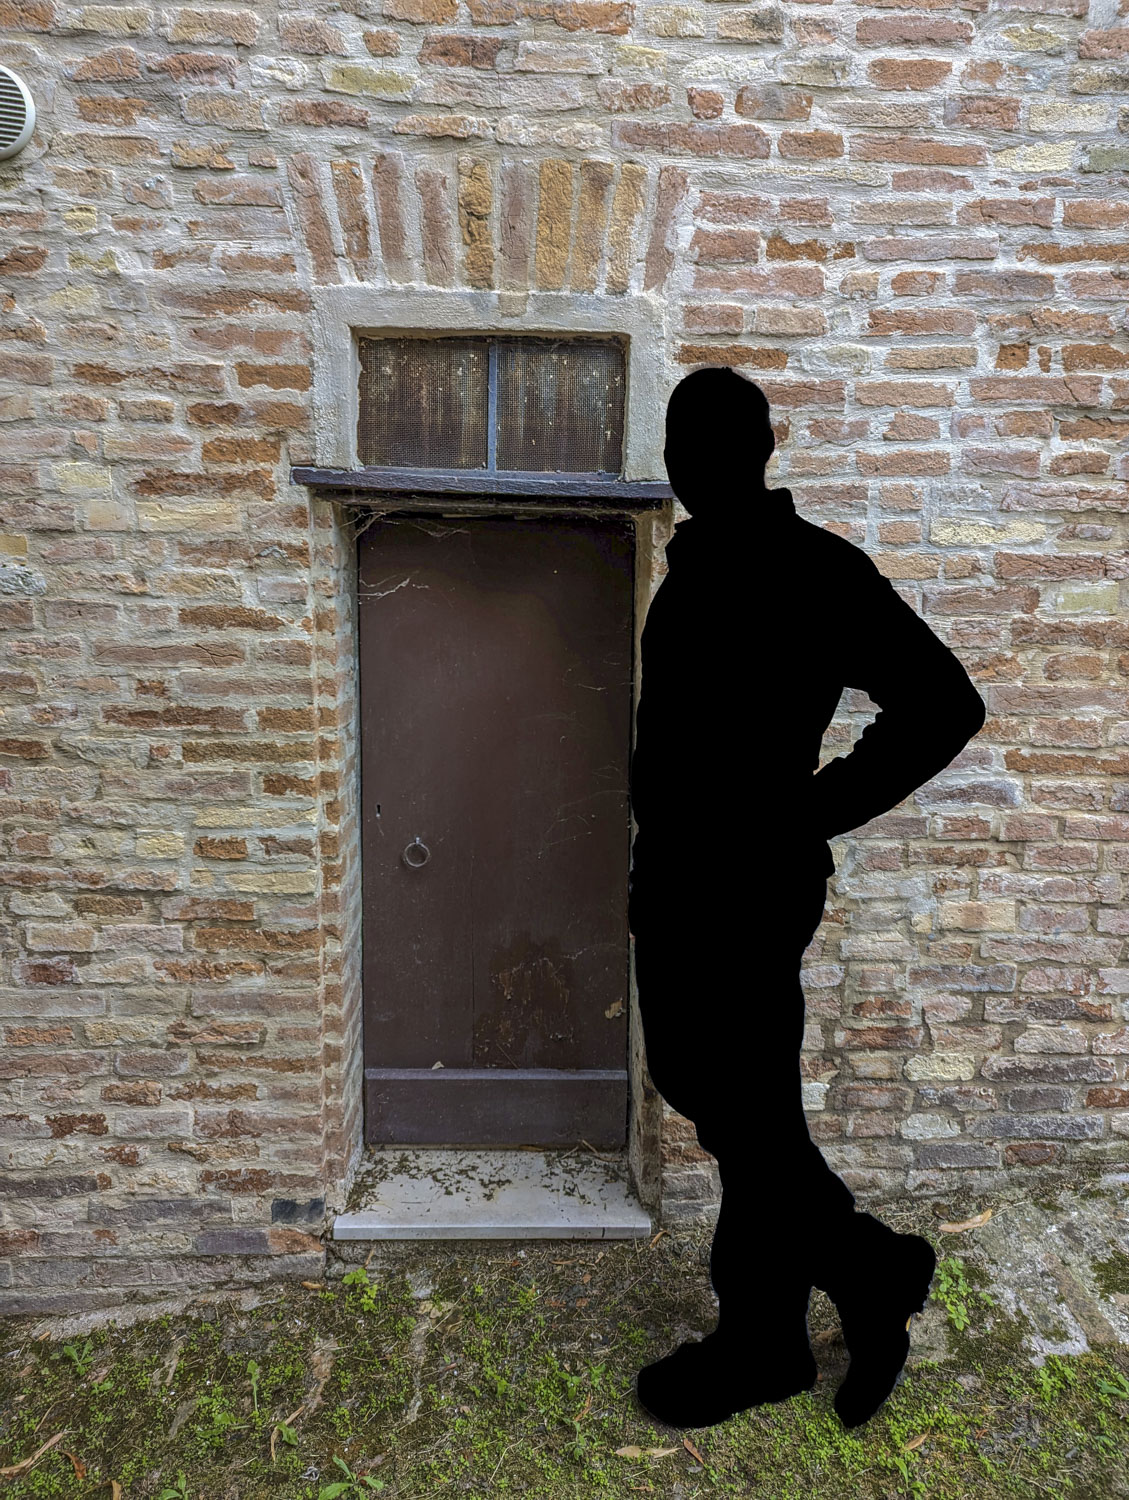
x,y
709,1380
881,1282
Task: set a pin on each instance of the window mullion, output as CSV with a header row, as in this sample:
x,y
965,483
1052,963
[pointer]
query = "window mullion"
x,y
492,405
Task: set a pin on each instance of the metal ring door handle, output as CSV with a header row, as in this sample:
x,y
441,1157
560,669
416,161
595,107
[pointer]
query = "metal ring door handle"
x,y
417,844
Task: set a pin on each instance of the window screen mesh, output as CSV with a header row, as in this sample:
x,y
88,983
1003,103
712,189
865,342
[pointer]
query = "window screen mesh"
x,y
557,404
560,405
423,403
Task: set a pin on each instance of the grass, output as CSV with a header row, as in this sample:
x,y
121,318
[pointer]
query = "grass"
x,y
513,1374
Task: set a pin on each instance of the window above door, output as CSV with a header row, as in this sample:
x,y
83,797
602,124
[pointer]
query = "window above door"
x,y
516,404
429,395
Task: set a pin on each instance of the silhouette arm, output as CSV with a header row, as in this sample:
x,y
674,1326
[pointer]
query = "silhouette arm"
x,y
928,709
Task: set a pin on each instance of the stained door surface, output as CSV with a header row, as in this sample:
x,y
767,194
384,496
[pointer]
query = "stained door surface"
x,y
495,673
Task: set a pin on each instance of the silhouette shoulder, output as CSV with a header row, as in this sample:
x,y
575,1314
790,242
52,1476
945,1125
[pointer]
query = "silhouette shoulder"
x,y
836,554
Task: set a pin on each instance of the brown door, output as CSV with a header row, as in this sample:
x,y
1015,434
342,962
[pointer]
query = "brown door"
x,y
495,671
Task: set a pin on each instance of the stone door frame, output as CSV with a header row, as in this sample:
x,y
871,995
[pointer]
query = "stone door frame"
x,y
341,314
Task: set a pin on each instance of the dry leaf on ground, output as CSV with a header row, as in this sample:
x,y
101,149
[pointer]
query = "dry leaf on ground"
x,y
286,1422
966,1223
79,1466
25,1463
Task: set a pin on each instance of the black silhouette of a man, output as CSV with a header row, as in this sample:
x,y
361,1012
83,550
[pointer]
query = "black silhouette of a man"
x,y
761,622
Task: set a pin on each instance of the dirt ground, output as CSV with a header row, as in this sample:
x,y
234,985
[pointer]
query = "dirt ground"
x,y
473,1368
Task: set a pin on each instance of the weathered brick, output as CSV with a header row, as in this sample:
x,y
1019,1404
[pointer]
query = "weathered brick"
x,y
670,191
627,206
1008,211
382,43
726,246
629,98
910,149
908,72
956,1154
698,138
1037,1127
553,223
602,16
516,191
903,30
312,34
115,64
475,203
982,112
238,26
735,355
903,393
705,104
809,145
421,12
461,50
304,176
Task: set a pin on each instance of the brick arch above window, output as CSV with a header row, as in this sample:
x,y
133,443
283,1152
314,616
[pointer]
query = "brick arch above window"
x,y
590,227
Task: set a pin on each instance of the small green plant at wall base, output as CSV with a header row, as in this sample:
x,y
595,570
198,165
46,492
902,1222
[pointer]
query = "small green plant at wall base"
x,y
1120,1388
1054,1377
954,1293
253,1371
901,1466
357,1282
180,1493
353,1484
82,1358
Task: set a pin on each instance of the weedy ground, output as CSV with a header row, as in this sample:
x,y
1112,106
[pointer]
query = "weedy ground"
x,y
474,1369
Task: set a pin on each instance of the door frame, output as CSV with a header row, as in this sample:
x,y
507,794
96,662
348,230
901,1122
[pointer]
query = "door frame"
x,y
341,314
652,529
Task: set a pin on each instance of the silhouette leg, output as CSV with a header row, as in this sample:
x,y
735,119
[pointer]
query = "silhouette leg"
x,y
736,1075
783,1210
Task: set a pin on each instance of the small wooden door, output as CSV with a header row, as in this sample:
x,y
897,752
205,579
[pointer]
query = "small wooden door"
x,y
495,672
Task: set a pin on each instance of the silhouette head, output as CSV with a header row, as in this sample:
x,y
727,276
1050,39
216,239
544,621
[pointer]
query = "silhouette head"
x,y
718,440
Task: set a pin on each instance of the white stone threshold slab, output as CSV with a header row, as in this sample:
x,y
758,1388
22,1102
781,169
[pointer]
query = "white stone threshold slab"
x,y
417,1193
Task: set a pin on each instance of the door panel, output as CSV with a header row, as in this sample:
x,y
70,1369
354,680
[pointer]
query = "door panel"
x,y
495,666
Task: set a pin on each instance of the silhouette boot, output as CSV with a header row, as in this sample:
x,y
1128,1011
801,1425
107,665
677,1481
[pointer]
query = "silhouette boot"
x,y
880,1280
747,1360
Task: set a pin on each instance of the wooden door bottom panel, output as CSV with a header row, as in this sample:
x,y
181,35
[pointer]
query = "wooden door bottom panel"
x,y
492,1106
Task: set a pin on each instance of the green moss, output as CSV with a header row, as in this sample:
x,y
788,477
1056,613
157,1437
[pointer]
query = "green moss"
x,y
514,1376
1112,1275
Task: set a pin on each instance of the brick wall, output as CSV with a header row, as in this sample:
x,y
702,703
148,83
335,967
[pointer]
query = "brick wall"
x,y
908,221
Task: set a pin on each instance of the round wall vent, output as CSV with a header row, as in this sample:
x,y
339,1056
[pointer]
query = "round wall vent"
x,y
17,113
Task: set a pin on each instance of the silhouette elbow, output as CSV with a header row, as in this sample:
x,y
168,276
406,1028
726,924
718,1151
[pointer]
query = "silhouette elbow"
x,y
975,714
957,714
966,717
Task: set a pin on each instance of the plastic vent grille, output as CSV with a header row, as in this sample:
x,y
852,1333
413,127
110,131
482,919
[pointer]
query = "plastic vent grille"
x,y
532,404
17,114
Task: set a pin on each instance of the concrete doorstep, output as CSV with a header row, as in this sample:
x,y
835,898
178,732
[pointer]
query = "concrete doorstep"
x,y
429,1194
